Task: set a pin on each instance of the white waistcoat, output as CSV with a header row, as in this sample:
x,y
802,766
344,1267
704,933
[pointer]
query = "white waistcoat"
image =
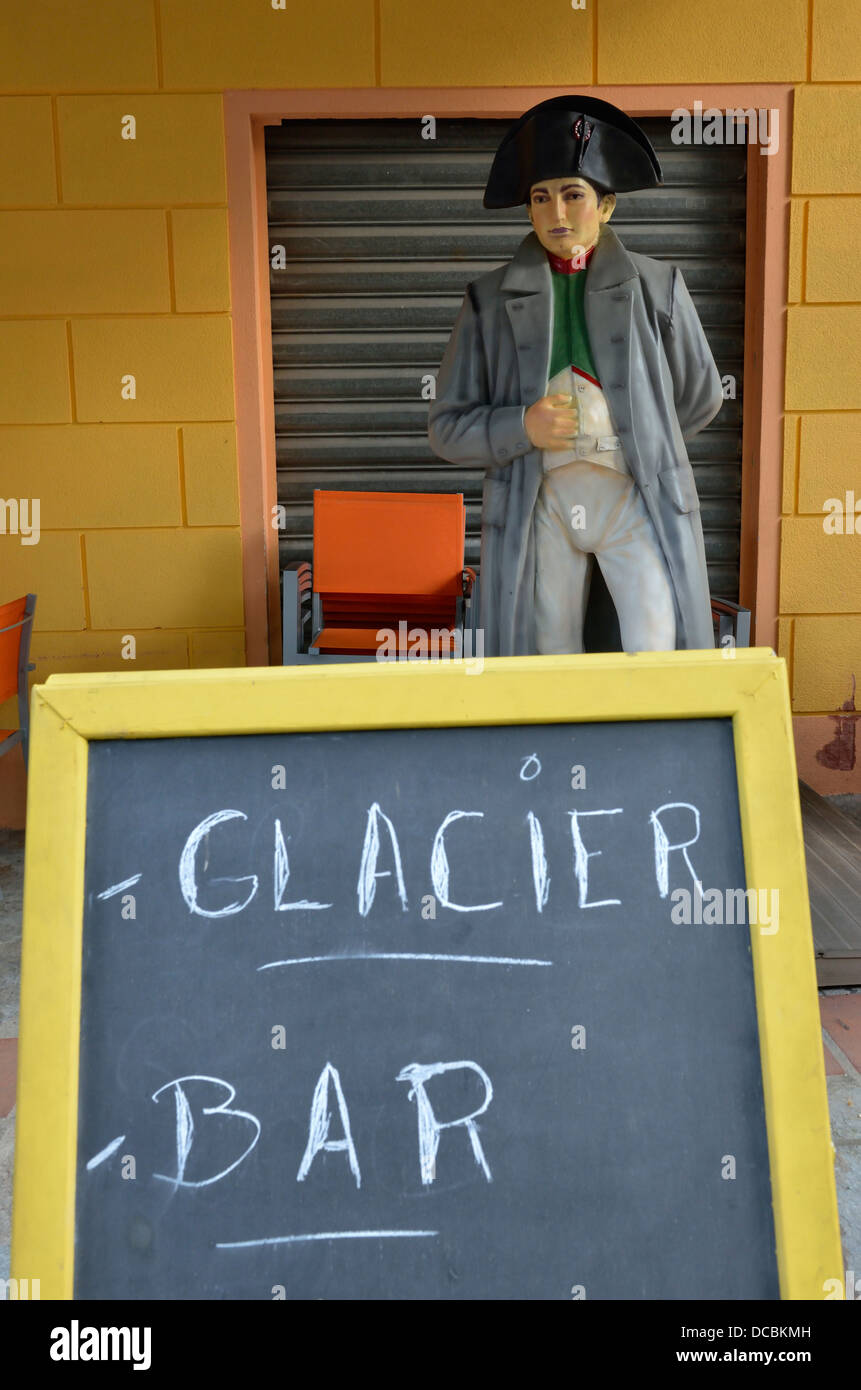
x,y
595,442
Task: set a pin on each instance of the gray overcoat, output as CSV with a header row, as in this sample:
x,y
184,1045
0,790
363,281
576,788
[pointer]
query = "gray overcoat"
x,y
661,386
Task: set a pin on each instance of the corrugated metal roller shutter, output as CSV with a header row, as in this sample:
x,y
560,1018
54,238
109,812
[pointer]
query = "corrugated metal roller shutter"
x,y
381,232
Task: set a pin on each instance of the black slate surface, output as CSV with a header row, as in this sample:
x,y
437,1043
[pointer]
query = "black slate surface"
x,y
592,1170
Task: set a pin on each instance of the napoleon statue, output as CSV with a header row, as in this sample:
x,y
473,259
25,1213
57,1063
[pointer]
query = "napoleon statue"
x,y
573,376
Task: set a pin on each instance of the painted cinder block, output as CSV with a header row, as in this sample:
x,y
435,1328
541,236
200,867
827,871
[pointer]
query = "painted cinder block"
x,y
797,213
790,461
77,262
176,155
9,717
673,41
825,752
27,173
826,152
827,657
784,640
829,460
209,465
833,242
53,652
201,269
823,357
103,651
183,578
52,570
486,44
223,44
819,573
34,373
836,53
101,46
95,475
182,368
218,649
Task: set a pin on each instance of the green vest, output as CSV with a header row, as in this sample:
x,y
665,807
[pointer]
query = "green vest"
x,y
570,338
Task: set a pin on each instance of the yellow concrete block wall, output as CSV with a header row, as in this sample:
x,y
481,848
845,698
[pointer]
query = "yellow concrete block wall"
x,y
820,584
117,411
116,374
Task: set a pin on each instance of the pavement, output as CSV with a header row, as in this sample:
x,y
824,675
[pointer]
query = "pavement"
x,y
841,1032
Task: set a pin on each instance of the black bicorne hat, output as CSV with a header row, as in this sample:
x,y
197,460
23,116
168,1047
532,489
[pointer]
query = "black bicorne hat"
x,y
575,135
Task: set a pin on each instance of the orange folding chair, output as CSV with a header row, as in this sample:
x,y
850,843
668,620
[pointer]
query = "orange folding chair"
x,y
387,569
16,626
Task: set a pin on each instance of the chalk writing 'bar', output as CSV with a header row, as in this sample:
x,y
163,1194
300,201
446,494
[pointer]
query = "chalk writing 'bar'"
x,y
404,955
321,1235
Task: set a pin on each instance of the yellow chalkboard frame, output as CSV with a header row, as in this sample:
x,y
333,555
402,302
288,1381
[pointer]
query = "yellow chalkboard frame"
x,y
749,686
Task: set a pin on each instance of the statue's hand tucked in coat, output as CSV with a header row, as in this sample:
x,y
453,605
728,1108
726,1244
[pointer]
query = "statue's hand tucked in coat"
x,y
551,423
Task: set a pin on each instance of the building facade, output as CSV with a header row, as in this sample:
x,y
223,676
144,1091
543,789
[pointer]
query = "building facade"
x,y
138,432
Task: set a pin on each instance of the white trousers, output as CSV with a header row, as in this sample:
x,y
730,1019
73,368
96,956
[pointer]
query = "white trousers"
x,y
587,510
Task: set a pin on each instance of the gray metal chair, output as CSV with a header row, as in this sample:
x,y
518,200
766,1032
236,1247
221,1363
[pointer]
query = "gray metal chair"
x,y
730,621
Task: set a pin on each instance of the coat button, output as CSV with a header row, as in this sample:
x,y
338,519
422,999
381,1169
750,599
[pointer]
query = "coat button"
x,y
617,338
618,386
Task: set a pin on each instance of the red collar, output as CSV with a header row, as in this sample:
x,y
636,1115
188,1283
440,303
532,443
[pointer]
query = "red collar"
x,y
565,265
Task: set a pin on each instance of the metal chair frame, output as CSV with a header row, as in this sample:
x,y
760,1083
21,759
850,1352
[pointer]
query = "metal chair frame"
x,y
22,733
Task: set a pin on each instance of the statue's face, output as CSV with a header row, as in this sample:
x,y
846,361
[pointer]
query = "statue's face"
x,y
566,214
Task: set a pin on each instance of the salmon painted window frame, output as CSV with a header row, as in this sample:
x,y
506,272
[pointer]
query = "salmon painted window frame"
x,y
749,686
247,113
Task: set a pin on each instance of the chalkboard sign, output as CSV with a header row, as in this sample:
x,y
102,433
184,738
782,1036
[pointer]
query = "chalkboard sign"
x,y
426,990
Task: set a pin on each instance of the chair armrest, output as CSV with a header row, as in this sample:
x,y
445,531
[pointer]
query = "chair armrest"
x,y
732,621
295,595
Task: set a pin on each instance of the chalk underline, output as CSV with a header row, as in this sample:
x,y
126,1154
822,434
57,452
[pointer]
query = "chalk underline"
x,y
322,1235
403,955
